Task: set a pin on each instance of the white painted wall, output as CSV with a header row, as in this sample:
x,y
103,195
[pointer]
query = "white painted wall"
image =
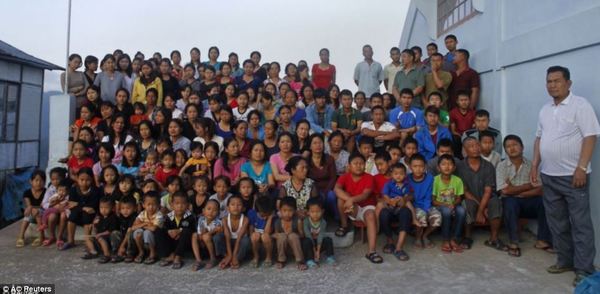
x,y
512,43
58,134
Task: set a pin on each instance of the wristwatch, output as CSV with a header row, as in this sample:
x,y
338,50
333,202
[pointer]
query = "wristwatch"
x,y
583,168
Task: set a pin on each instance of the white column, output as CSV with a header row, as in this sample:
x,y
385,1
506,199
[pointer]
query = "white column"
x,y
58,124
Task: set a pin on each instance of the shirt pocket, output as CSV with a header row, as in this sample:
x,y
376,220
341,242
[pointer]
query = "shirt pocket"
x,y
567,124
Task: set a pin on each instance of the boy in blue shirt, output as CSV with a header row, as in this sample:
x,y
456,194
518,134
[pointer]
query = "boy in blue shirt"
x,y
429,136
426,219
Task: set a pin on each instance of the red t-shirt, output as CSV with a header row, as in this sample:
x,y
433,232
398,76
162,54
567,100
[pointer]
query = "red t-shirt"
x,y
161,176
75,166
353,188
467,80
380,180
322,77
463,122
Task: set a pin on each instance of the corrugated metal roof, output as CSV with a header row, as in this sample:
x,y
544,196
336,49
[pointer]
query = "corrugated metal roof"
x,y
10,53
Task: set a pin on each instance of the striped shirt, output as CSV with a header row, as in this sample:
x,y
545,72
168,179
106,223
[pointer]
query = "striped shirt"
x,y
506,172
561,129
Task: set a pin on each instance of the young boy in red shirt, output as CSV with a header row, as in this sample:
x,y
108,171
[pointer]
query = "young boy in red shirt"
x,y
356,201
462,118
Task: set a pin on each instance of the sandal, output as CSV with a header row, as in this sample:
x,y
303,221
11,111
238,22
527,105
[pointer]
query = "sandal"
x,y
199,265
374,258
36,243
165,262
60,244
267,264
150,260
466,243
254,263
280,265
20,243
128,259
302,266
48,242
311,264
330,260
139,259
401,255
446,248
496,244
456,248
419,244
42,228
66,246
117,259
104,259
514,251
90,255
388,248
177,265
341,231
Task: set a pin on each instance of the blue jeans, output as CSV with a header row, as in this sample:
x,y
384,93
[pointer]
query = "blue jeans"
x,y
330,202
530,207
459,221
402,215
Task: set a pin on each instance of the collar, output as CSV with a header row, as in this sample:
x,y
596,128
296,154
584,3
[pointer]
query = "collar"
x,y
186,214
565,101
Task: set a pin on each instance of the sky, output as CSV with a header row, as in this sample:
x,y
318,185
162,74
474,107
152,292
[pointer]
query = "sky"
x,y
282,31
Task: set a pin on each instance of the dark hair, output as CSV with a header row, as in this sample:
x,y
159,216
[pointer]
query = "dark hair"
x,y
557,68
136,160
513,138
465,52
179,194
225,156
488,134
453,37
106,200
399,165
255,52
314,201
261,143
196,145
172,179
434,45
95,88
66,183
38,173
129,70
289,202
383,155
416,48
293,163
360,93
364,140
417,157
410,140
113,168
444,143
345,92
355,155
447,157
312,137
128,200
89,60
147,80
213,145
396,49
149,125
289,135
407,91
60,171
409,52
224,179
482,113
152,195
111,131
433,110
106,58
377,107
320,93
463,92
437,54
83,171
264,204
434,93
227,108
336,133
248,61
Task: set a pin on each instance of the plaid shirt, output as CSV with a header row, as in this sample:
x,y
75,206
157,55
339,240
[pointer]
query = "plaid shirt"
x,y
506,171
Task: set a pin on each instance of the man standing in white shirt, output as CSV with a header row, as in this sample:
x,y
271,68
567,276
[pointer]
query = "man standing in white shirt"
x,y
565,139
368,74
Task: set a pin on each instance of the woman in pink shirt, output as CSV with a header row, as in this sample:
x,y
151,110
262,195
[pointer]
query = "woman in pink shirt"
x,y
230,163
323,74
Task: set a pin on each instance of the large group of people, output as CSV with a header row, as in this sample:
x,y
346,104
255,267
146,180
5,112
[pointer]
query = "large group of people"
x,y
232,160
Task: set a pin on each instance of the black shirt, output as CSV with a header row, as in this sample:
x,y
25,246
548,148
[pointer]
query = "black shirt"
x,y
109,223
91,199
35,202
171,86
125,223
188,222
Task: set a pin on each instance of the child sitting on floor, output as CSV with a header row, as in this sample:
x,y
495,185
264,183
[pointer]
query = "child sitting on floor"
x,y
145,226
209,226
222,184
288,233
121,240
32,200
315,241
175,239
233,243
261,224
105,224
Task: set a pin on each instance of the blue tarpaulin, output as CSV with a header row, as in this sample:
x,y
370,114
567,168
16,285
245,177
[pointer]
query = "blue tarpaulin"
x,y
12,198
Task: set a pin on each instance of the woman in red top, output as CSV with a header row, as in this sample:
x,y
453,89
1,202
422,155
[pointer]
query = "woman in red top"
x,y
323,74
79,159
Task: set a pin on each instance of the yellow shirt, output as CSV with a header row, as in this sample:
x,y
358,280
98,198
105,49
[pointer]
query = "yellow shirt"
x,y
138,94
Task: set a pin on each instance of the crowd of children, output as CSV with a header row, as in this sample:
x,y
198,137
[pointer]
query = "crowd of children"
x,y
235,163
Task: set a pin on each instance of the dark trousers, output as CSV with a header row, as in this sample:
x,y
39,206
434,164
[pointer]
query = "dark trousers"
x,y
402,215
530,207
568,215
165,245
308,245
459,221
117,237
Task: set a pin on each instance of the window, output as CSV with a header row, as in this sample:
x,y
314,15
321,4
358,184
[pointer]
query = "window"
x,y
8,111
452,13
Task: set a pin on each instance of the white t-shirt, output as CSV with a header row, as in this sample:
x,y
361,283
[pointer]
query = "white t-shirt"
x,y
242,116
385,127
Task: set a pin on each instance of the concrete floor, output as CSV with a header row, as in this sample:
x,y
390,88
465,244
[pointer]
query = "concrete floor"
x,y
480,270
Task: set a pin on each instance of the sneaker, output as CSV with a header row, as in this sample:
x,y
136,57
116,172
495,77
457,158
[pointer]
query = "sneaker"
x,y
311,263
579,276
558,269
330,260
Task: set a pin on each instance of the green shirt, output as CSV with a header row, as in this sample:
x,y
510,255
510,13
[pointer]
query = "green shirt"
x,y
447,193
430,87
345,120
414,78
444,117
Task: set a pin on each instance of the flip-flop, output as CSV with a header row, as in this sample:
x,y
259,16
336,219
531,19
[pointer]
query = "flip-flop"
x,y
330,260
267,264
514,251
466,243
311,264
254,263
150,260
199,265
447,248
341,231
428,243
37,242
546,248
374,257
48,242
302,266
211,263
66,246
165,262
388,248
496,244
401,255
138,259
20,243
177,265
456,248
420,244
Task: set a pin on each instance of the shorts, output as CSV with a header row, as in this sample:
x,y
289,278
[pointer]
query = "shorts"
x,y
431,218
360,214
494,207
